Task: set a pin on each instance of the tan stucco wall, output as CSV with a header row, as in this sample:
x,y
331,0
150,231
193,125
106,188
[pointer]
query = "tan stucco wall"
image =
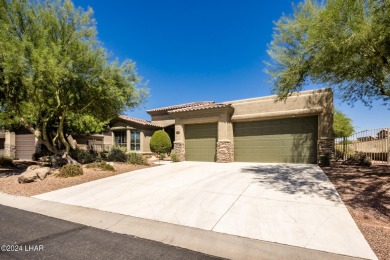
x,y
317,102
219,116
146,141
163,120
10,138
107,138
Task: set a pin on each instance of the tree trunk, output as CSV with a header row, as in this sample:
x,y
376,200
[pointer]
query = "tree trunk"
x,y
43,139
70,159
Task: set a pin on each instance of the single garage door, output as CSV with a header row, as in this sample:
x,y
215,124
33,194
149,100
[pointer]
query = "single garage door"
x,y
201,141
292,140
25,146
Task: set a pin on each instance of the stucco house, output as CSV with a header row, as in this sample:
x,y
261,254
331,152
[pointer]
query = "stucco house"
x,y
297,130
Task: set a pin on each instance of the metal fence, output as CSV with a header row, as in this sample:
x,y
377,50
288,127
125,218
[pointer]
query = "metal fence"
x,y
374,143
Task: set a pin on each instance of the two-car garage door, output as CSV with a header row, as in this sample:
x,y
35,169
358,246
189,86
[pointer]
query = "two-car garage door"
x,y
291,140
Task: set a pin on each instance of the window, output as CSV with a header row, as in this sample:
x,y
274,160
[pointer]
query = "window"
x,y
120,138
135,141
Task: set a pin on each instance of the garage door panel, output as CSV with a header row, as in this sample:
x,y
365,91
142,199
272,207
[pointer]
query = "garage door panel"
x,y
24,146
200,142
284,140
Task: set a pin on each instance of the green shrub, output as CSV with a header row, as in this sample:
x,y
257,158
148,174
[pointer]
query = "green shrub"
x,y
174,157
83,156
102,166
360,159
136,158
104,155
6,161
160,143
70,170
117,154
325,160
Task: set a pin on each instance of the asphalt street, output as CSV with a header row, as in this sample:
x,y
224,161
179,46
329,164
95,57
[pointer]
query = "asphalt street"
x,y
26,235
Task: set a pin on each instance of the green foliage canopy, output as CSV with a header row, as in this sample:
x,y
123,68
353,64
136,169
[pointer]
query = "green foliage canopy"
x,y
160,142
55,77
342,124
342,43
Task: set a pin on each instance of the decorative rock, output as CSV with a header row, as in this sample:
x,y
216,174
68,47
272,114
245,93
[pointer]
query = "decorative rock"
x,y
42,172
153,159
34,173
27,177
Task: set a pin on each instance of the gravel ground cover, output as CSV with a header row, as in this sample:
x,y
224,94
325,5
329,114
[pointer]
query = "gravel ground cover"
x,y
366,193
9,178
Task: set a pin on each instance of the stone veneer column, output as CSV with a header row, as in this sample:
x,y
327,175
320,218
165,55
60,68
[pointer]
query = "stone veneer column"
x,y
325,146
179,149
225,151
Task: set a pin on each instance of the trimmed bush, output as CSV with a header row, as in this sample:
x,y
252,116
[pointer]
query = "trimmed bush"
x,y
136,158
6,161
174,157
104,155
70,170
83,156
160,142
360,159
117,154
102,166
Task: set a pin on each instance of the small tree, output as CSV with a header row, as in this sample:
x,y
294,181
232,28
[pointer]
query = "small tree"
x,y
341,43
342,124
56,79
160,143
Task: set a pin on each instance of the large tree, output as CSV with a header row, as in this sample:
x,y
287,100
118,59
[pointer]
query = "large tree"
x,y
342,124
55,77
341,43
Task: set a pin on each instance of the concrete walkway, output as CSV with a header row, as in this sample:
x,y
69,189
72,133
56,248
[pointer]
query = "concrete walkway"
x,y
288,204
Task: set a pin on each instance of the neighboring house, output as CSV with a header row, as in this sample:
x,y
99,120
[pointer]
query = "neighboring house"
x,y
129,132
297,130
20,144
383,134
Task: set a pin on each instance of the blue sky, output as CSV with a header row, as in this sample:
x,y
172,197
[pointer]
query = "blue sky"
x,y
201,50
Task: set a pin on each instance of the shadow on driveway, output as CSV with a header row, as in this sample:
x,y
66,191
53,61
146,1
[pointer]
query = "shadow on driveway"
x,y
295,179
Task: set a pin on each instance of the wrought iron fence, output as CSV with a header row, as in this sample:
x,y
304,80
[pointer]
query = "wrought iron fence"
x,y
374,143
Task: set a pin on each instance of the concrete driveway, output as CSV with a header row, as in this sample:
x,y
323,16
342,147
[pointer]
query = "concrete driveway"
x,y
283,203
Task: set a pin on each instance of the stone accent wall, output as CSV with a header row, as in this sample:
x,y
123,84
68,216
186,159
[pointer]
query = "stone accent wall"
x,y
225,151
179,150
325,146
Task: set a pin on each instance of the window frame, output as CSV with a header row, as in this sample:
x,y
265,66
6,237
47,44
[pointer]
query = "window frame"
x,y
134,141
122,137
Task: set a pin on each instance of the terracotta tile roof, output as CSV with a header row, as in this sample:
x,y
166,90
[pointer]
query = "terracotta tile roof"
x,y
138,121
181,106
200,107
